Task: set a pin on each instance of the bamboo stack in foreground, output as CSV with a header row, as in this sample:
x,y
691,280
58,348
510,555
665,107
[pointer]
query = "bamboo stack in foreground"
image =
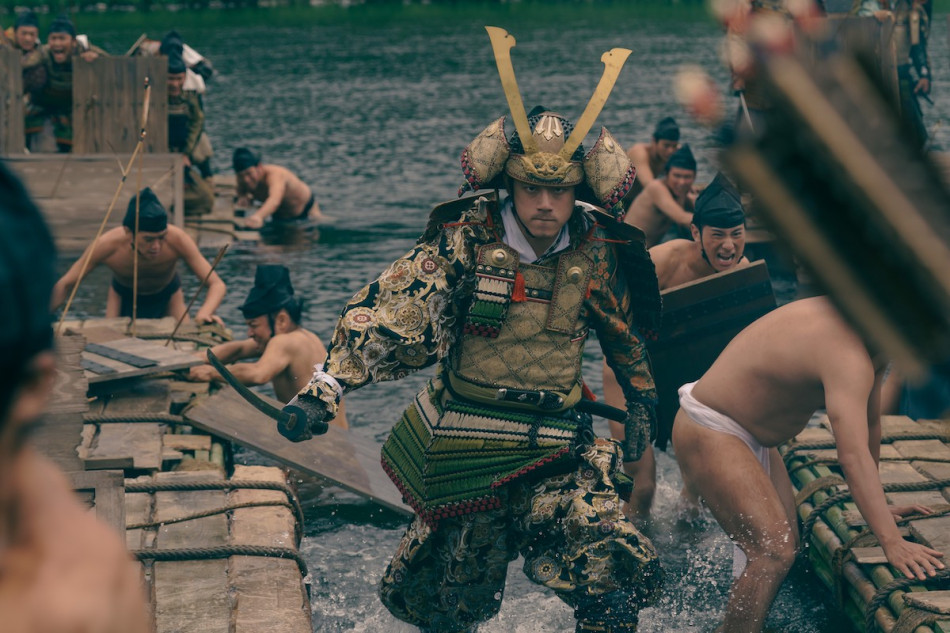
x,y
915,468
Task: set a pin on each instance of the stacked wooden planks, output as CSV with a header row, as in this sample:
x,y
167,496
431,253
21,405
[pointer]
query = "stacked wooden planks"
x,y
914,469
219,552
208,589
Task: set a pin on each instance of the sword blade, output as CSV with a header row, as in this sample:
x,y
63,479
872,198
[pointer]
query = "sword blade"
x,y
252,398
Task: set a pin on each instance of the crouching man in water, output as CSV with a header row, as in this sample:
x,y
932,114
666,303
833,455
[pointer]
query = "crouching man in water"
x,y
159,247
60,568
718,244
496,454
760,392
286,352
666,201
281,192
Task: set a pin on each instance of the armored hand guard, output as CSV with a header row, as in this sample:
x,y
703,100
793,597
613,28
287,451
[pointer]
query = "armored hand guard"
x,y
310,418
639,430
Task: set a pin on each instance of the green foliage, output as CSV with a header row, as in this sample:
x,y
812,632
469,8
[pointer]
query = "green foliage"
x,y
155,15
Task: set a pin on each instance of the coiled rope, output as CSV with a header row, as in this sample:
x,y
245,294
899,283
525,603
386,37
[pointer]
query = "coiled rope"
x,y
845,495
882,594
222,551
234,484
121,418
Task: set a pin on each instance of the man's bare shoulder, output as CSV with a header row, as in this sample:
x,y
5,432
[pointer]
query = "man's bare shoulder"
x,y
113,238
276,172
179,239
639,152
674,249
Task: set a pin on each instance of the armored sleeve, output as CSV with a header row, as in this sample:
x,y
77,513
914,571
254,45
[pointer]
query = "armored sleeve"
x,y
196,122
401,322
611,311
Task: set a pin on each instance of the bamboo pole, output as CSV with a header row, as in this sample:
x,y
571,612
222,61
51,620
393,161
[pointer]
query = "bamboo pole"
x,y
115,196
204,282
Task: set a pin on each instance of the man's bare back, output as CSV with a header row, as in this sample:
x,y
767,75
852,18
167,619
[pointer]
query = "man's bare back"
x,y
647,211
304,350
773,395
293,193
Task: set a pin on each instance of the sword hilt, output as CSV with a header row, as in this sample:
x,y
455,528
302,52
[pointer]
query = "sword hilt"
x,y
306,418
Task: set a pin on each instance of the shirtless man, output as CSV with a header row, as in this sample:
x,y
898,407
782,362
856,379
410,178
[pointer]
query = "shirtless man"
x,y
286,352
54,578
760,392
718,244
650,158
281,193
666,200
159,246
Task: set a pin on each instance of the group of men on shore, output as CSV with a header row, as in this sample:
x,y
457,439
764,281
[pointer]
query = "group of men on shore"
x,y
48,88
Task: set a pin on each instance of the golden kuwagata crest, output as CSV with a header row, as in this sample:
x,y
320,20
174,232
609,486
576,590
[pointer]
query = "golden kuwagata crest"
x,y
548,141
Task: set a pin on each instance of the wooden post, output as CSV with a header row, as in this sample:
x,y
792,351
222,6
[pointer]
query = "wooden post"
x,y
12,137
178,214
108,105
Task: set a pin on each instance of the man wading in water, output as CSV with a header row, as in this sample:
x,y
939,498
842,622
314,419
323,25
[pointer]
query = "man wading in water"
x,y
496,454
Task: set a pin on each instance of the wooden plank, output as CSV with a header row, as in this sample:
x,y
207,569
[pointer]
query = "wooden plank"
x,y
272,594
108,104
107,490
74,191
12,137
146,396
125,446
927,450
935,601
181,442
699,320
191,596
139,507
898,473
129,350
934,531
869,555
341,457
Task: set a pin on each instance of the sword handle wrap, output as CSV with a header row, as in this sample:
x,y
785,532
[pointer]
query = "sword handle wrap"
x,y
309,419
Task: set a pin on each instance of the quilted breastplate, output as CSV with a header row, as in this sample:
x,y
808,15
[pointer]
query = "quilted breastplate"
x,y
523,330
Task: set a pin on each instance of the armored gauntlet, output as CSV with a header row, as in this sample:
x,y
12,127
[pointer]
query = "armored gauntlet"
x,y
310,418
639,430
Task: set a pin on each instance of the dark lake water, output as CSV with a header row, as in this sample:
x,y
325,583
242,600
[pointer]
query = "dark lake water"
x,y
374,117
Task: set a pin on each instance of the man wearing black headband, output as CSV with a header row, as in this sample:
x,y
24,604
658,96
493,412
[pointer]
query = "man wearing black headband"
x,y
159,248
650,158
666,201
281,193
718,244
58,560
53,100
286,353
25,32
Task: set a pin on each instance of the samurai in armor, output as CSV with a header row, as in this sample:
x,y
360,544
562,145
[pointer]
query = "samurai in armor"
x,y
496,454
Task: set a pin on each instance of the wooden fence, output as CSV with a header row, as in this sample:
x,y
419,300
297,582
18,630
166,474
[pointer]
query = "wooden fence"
x,y
11,103
108,102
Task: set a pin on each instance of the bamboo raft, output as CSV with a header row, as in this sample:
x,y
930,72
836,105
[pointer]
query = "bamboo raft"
x,y
915,469
218,543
